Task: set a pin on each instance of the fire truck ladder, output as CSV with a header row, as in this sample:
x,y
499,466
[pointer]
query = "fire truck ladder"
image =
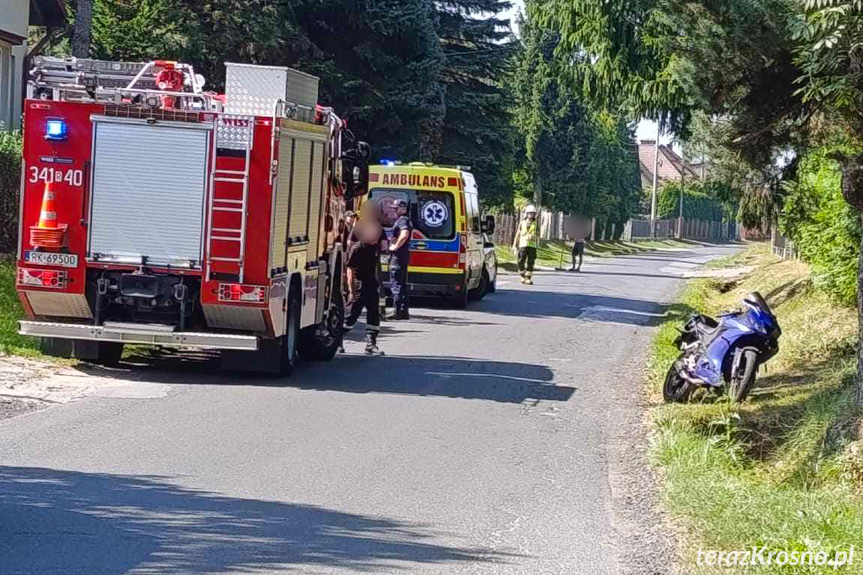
x,y
233,139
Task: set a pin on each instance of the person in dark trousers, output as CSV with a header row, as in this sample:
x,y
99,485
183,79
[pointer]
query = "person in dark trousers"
x,y
399,257
526,241
579,228
363,256
577,252
365,245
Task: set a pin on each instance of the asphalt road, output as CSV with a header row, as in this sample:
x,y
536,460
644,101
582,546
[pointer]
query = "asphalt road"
x,y
503,439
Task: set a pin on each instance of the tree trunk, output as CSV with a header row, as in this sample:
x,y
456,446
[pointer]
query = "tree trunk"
x,y
537,190
860,326
83,27
852,191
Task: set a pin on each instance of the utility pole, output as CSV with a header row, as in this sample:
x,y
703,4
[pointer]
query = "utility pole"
x,y
83,28
682,189
655,180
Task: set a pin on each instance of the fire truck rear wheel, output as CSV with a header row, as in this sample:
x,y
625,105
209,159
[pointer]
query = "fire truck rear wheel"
x,y
106,353
291,339
317,347
109,353
55,347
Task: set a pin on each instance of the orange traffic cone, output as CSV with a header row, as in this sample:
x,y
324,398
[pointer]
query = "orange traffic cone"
x,y
48,215
47,234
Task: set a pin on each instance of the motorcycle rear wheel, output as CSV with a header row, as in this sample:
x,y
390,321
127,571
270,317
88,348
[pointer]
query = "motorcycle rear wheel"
x,y
675,389
741,382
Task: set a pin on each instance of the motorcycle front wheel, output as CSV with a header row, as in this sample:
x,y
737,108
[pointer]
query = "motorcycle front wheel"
x,y
676,389
741,382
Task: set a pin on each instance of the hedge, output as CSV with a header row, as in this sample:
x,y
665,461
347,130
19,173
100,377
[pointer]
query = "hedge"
x,y
699,202
823,227
10,177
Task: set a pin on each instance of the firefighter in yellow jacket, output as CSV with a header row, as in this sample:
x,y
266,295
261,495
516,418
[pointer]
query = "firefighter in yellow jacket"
x,y
526,241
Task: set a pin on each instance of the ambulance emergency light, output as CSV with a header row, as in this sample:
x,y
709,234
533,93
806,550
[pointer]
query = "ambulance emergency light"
x,y
55,129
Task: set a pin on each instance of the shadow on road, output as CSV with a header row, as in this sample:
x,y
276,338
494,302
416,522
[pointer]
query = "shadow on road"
x,y
456,377
536,303
54,521
593,272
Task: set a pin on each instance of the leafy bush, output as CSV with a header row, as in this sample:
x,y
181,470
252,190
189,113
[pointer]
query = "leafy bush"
x,y
825,229
10,174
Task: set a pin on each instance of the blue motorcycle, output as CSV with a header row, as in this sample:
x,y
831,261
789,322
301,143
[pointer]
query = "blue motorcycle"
x,y
724,352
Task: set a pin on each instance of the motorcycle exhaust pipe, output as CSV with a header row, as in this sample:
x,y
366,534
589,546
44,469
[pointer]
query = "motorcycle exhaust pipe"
x,y
690,378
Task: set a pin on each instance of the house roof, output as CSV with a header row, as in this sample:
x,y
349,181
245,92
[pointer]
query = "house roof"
x,y
10,38
47,13
671,167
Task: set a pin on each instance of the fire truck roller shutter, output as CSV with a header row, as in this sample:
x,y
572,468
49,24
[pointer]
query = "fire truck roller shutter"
x,y
282,205
149,184
298,227
316,195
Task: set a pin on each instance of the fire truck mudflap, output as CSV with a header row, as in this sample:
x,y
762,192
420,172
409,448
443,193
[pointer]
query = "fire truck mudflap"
x,y
155,213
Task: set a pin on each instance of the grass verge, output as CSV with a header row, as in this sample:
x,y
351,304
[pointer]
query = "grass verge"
x,y
784,469
557,253
10,312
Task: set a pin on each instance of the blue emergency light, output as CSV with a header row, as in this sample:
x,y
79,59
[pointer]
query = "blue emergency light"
x,y
387,163
55,129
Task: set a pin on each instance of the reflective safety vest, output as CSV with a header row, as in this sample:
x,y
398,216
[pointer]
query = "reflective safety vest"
x,y
527,234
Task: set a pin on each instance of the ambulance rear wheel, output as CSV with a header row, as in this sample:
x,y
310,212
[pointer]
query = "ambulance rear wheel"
x,y
461,297
482,288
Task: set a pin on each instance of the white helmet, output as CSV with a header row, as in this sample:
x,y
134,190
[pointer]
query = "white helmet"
x,y
530,209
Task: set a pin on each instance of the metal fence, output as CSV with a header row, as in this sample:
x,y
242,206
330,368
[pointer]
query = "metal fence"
x,y
782,246
552,228
684,229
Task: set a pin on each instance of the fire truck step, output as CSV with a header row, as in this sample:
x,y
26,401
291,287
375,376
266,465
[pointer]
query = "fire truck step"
x,y
230,153
228,201
225,277
227,230
236,210
234,180
235,260
226,239
140,327
229,172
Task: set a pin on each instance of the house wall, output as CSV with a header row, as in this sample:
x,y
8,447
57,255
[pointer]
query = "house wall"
x,y
16,14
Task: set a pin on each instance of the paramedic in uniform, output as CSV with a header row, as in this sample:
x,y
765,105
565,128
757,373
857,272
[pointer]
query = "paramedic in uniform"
x,y
399,258
525,242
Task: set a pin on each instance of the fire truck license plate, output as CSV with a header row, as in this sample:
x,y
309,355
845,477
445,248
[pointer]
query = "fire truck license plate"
x,y
51,259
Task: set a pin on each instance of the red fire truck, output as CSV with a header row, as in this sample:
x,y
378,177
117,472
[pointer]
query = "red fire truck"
x,y
153,212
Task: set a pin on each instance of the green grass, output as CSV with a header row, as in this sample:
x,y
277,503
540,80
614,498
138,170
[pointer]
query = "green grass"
x,y
784,469
557,253
10,312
